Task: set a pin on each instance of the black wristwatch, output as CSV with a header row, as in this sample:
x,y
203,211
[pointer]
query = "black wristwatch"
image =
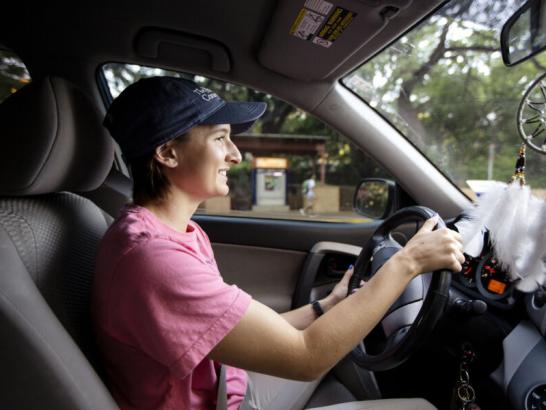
x,y
317,308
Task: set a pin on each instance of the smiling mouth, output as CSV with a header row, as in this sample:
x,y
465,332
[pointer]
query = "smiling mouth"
x,y
223,172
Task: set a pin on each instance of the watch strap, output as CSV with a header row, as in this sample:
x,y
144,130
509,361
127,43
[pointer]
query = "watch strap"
x,y
317,308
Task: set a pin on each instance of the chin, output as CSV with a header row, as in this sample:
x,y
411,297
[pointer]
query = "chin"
x,y
223,191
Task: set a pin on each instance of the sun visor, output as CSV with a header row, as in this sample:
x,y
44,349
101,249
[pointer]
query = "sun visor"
x,y
181,49
310,39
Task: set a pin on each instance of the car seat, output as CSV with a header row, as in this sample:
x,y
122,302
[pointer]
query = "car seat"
x,y
53,144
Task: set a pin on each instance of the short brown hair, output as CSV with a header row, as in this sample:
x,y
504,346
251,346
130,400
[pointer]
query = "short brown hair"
x,y
150,184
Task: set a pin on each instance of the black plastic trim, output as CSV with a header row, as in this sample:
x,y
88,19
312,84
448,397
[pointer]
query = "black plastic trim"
x,y
504,35
531,373
282,234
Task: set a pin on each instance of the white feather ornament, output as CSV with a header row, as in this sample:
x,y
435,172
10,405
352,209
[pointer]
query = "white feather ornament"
x,y
516,221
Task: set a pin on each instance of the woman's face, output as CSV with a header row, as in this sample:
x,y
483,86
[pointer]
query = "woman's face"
x,y
204,158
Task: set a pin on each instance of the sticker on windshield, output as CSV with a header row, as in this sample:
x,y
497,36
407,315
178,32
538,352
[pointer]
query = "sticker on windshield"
x,y
320,23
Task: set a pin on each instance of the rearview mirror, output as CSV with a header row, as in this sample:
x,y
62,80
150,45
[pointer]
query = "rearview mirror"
x,y
524,34
375,198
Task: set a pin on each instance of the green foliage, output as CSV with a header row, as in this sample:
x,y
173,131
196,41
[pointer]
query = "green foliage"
x,y
345,164
240,186
444,85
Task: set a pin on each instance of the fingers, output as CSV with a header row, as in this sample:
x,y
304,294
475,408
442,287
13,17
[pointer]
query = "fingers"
x,y
457,264
455,250
439,249
460,259
429,224
360,285
457,236
348,273
456,259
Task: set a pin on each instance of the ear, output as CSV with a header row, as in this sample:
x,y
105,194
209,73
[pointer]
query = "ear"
x,y
166,155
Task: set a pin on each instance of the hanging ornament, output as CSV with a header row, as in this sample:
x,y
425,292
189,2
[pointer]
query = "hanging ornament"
x,y
513,216
532,115
516,221
519,172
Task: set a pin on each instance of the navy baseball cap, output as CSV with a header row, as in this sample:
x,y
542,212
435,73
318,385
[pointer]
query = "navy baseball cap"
x,y
155,110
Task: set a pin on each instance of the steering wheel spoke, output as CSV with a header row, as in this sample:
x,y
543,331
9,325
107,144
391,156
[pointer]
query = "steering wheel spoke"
x,y
401,317
413,316
398,336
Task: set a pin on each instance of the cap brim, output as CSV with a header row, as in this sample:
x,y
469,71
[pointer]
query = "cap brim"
x,y
240,115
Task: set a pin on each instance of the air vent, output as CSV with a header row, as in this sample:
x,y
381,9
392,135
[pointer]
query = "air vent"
x,y
539,298
536,399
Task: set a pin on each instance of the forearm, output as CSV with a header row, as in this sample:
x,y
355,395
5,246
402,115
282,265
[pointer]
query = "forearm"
x,y
274,346
330,337
267,343
303,316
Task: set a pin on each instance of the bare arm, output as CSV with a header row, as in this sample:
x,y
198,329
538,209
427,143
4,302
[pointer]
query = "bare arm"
x,y
302,317
265,342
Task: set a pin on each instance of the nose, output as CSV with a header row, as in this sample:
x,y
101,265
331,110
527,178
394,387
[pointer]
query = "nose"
x,y
234,155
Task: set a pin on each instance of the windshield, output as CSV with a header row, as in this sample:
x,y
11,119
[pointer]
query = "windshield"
x,y
444,86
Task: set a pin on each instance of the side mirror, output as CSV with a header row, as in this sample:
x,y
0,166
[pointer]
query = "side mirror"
x,y
524,33
375,198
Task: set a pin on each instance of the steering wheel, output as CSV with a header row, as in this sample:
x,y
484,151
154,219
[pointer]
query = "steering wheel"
x,y
413,316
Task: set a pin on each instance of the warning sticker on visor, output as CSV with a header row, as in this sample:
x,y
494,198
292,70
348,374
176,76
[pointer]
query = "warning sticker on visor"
x,y
321,23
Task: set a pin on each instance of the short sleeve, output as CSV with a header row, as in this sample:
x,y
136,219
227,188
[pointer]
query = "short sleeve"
x,y
172,305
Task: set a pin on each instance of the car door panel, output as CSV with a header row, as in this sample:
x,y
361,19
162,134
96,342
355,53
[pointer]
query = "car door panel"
x,y
326,264
270,275
283,263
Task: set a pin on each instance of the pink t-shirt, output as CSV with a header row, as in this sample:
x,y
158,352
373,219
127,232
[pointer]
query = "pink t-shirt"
x,y
159,307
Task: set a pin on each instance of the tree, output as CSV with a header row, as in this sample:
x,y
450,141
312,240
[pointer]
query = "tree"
x,y
445,87
344,164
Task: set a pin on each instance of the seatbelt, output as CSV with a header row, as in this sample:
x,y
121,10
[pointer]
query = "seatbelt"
x,y
221,399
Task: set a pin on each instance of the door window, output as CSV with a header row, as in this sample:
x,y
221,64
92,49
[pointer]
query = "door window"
x,y
294,166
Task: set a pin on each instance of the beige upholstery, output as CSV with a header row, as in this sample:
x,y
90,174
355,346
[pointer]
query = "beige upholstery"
x,y
389,404
48,243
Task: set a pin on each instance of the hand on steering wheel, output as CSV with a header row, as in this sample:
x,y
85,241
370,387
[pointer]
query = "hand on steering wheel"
x,y
413,316
428,248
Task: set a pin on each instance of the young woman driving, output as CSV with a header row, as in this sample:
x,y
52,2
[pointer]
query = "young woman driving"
x,y
164,317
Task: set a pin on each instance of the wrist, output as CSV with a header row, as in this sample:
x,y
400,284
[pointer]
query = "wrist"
x,y
317,307
328,302
405,264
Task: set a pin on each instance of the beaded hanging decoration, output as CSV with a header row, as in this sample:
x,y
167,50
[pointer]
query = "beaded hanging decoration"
x,y
519,172
516,222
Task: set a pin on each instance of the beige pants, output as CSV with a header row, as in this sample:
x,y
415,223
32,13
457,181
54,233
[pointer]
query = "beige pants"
x,y
274,393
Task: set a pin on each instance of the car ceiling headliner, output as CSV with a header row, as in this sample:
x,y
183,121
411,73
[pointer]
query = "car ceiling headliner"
x,y
64,38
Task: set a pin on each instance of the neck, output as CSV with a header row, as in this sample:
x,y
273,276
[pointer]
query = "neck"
x,y
175,210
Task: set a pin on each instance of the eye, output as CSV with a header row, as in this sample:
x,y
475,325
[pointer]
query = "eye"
x,y
221,138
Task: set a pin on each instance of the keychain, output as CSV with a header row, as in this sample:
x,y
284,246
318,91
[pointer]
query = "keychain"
x,y
464,395
465,392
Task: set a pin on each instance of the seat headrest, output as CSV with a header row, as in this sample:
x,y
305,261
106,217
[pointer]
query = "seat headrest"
x,y
52,140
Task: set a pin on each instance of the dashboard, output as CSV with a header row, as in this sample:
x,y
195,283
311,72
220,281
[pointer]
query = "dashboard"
x,y
483,277
522,373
